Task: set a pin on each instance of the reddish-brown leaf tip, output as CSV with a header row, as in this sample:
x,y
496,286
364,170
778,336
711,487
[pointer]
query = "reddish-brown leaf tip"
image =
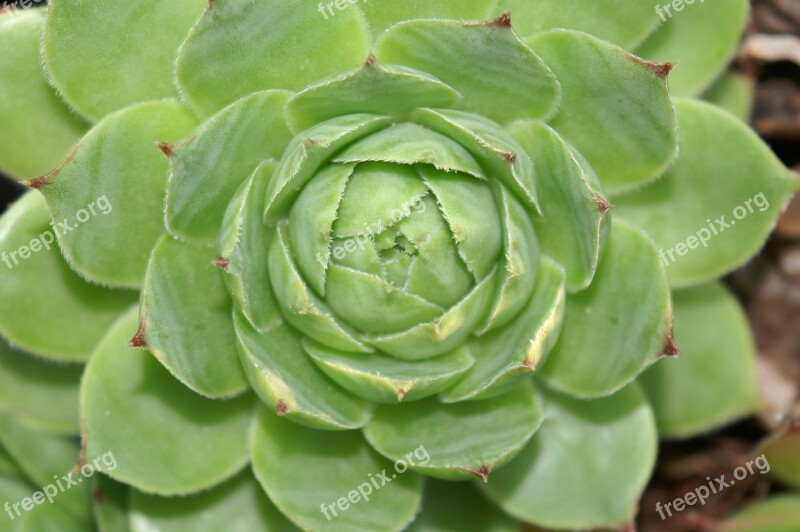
x,y
400,394
528,363
661,70
602,204
165,148
510,156
482,472
371,60
139,341
670,348
39,182
280,408
503,21
221,263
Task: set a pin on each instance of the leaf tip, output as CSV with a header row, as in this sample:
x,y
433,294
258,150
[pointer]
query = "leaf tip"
x,y
281,408
371,60
509,156
670,349
401,393
661,70
602,204
221,263
482,472
139,341
166,148
503,21
40,182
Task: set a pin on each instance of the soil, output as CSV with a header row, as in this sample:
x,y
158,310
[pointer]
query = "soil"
x,y
769,289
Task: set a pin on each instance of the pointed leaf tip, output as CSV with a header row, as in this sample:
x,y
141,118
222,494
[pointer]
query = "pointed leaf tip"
x,y
661,70
503,21
401,393
139,341
280,408
602,204
371,60
39,182
221,263
166,148
670,348
482,472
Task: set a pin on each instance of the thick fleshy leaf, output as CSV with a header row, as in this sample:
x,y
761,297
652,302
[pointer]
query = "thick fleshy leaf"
x,y
308,152
300,306
39,394
412,144
90,55
734,92
461,440
386,379
616,108
585,468
163,437
44,459
238,505
373,88
381,14
621,22
714,382
574,223
40,128
111,504
240,47
208,169
619,325
448,506
520,264
45,307
443,334
186,319
245,250
354,488
701,38
284,378
780,513
505,356
713,210
40,517
783,454
490,144
117,173
511,82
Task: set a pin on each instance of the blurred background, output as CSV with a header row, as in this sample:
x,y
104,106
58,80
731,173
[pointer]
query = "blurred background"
x,y
769,289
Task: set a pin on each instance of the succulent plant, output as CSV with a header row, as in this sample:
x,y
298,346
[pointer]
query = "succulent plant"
x,y
390,258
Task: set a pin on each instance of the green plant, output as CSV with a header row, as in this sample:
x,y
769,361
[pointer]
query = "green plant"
x,y
380,234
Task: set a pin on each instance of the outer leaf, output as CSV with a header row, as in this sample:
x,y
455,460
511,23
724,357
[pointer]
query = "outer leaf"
x,y
231,53
618,21
186,319
39,394
449,506
461,440
574,223
285,378
117,161
41,129
586,466
780,513
372,88
783,455
714,382
43,459
90,58
702,39
164,438
389,380
734,92
505,356
511,82
619,325
682,211
207,169
616,109
238,505
381,14
45,307
342,463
